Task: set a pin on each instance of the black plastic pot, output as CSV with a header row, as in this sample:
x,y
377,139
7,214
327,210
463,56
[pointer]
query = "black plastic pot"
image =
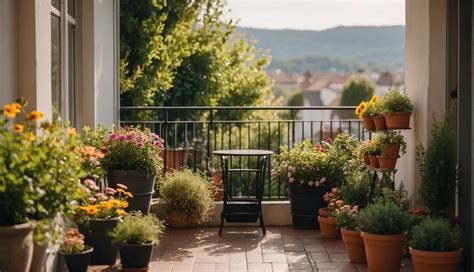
x,y
78,262
139,182
96,235
136,256
305,203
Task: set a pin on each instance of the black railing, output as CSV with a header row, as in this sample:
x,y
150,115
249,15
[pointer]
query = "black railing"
x,y
191,134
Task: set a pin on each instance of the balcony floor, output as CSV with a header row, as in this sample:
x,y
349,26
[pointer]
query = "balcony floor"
x,y
246,249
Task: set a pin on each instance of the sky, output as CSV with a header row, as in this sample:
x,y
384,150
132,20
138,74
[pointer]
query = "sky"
x,y
315,14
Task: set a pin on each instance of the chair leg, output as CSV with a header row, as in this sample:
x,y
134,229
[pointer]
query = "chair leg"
x,y
222,224
262,224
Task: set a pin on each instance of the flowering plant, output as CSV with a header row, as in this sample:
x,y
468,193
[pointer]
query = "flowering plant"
x,y
305,164
331,197
40,167
369,108
73,242
93,151
133,149
106,204
392,137
346,217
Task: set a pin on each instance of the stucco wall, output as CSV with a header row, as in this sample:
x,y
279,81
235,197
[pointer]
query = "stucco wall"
x,y
8,65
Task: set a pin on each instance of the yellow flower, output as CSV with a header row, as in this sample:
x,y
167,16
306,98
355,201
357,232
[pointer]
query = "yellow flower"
x,y
124,204
374,99
17,107
357,111
121,212
107,205
72,131
18,128
128,194
90,209
120,190
31,137
9,111
35,115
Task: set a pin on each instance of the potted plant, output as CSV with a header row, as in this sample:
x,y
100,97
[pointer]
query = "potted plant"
x,y
384,225
437,165
99,212
187,198
346,216
391,143
373,150
367,111
434,246
38,170
74,250
132,157
136,236
330,198
397,108
327,224
364,152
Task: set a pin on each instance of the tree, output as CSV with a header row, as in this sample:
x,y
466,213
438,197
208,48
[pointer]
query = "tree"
x,y
182,53
356,90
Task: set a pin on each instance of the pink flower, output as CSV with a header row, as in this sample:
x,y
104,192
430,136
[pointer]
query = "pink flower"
x,y
101,196
121,137
92,199
120,185
110,191
89,183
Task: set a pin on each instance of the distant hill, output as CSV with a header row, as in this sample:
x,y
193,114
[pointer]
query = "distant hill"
x,y
337,49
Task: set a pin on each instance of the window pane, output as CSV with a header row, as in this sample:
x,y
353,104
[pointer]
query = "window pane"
x,y
56,4
71,75
56,62
71,8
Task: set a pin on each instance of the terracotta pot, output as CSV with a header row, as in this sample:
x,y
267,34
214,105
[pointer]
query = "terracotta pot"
x,y
387,162
218,194
16,247
328,227
380,123
354,245
398,120
180,220
369,123
391,150
384,252
434,261
324,212
176,158
366,159
217,177
374,162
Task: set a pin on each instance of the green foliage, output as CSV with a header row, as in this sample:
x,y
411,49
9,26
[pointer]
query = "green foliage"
x,y
398,197
392,137
438,166
40,174
183,53
355,191
133,149
435,234
384,218
296,99
136,229
356,90
396,101
187,192
373,147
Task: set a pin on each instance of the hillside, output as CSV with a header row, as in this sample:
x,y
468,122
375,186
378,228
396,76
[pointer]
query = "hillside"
x,y
341,48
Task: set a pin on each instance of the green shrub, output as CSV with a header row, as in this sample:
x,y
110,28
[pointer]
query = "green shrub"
x,y
189,193
137,229
396,101
435,234
384,218
355,191
438,166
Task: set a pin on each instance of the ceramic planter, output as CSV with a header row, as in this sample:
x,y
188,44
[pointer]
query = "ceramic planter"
x,y
328,227
324,212
433,261
384,252
39,256
135,256
354,246
380,123
374,162
305,203
387,162
369,123
139,182
398,120
96,235
366,159
16,247
391,150
78,262
180,220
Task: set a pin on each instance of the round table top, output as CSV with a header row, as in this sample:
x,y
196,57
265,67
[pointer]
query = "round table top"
x,y
243,152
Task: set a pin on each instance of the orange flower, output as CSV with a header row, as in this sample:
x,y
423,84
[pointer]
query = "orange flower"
x,y
120,190
35,115
90,209
17,107
124,204
31,137
9,111
121,212
128,194
72,131
107,205
18,128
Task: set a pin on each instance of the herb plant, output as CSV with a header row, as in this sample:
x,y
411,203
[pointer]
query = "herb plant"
x,y
138,229
384,218
392,137
435,234
396,101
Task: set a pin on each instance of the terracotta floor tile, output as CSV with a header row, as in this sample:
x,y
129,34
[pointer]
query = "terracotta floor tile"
x,y
211,257
204,267
300,266
314,248
349,267
320,257
297,257
339,257
279,257
280,267
259,267
254,257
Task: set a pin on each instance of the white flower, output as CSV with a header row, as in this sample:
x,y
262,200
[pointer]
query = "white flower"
x,y
291,180
302,181
322,180
310,183
289,174
317,184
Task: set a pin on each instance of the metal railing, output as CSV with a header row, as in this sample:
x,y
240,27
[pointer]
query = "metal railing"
x,y
191,134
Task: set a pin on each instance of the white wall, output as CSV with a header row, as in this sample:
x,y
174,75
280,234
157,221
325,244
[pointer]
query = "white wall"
x,y
8,65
